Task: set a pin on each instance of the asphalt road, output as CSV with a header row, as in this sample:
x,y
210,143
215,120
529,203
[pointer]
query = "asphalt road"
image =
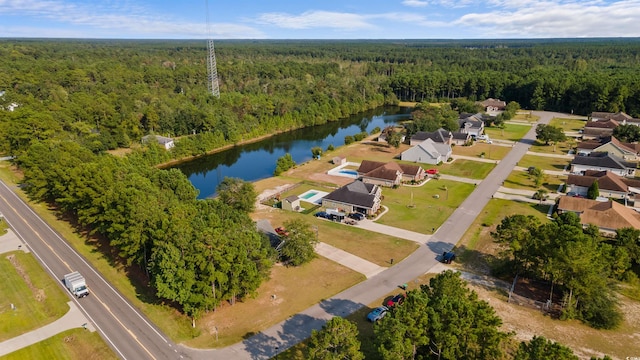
x,y
129,333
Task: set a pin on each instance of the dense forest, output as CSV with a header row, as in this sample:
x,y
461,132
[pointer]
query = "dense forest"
x,y
65,102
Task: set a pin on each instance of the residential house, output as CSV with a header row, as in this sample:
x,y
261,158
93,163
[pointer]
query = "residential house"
x,y
166,142
620,116
460,138
611,145
389,174
441,136
427,152
610,185
472,124
599,128
357,196
603,162
608,216
493,106
291,203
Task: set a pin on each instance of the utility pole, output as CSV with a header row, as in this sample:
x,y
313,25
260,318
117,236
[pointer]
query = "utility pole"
x,y
212,67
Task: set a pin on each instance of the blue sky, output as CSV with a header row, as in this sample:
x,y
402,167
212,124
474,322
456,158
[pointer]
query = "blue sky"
x,y
320,19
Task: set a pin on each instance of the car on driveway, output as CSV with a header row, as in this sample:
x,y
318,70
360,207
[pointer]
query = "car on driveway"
x,y
396,300
377,313
350,222
357,216
432,171
448,257
323,214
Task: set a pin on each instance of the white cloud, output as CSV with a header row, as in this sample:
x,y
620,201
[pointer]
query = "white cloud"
x,y
316,19
415,3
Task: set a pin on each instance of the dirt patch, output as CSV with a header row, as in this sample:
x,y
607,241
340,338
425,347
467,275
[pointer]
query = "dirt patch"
x,y
38,293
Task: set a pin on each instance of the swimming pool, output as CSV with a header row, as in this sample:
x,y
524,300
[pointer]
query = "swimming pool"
x,y
348,172
309,195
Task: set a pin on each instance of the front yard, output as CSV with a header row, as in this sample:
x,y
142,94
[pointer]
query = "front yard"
x,y
568,124
511,132
418,209
490,151
544,162
467,169
522,180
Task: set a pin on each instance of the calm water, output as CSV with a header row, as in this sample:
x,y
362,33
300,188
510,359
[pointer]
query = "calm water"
x,y
257,161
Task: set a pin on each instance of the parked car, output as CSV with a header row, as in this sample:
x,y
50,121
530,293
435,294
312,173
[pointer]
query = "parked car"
x,y
282,231
350,222
396,300
448,257
357,216
377,313
432,171
322,214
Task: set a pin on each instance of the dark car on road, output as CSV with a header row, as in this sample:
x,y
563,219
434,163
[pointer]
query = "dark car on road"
x,y
357,216
448,257
323,214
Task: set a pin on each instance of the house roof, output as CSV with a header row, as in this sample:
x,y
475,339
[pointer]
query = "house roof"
x,y
619,116
440,136
356,193
606,180
473,121
608,215
595,144
460,135
494,102
604,160
602,124
291,198
380,170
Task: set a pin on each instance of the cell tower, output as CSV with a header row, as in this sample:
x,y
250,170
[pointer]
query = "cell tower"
x,y
212,67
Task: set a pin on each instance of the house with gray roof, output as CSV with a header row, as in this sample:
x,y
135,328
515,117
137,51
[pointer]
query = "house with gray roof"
x,y
472,124
427,152
355,197
441,136
603,162
611,145
166,142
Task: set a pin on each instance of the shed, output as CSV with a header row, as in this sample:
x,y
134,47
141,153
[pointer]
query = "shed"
x,y
339,160
291,203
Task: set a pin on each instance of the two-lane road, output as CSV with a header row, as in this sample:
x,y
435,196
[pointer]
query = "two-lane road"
x,y
129,333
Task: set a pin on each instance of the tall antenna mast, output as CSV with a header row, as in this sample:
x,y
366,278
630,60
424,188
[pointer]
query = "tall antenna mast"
x,y
212,67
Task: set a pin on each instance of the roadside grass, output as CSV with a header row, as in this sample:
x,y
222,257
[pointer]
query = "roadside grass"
x,y
37,299
467,169
6,173
417,209
3,227
75,344
560,148
522,180
476,248
295,289
491,151
544,162
568,124
512,132
524,115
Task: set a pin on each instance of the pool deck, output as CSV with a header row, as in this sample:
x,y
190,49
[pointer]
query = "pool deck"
x,y
336,170
315,199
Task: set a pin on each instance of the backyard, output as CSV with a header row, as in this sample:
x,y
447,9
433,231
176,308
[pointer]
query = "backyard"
x,y
425,207
520,179
568,125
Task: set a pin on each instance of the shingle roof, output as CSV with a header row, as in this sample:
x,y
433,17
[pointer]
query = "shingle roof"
x,y
602,124
440,136
357,193
594,144
460,135
606,180
619,116
602,160
494,102
608,215
474,121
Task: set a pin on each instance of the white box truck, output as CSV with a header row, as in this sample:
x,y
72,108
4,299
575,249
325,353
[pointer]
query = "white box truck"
x,y
76,284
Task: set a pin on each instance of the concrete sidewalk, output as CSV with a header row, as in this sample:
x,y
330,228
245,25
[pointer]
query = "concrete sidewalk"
x,y
72,319
11,242
394,231
474,158
353,262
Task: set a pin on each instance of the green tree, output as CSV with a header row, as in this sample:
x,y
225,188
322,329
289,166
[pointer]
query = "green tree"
x,y
337,340
594,191
550,134
540,194
316,151
237,193
627,133
298,247
540,348
395,139
348,140
284,163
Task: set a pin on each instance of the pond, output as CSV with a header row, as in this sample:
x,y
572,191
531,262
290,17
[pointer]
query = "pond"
x,y
257,160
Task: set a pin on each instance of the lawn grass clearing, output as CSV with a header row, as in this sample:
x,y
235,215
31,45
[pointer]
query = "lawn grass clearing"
x,y
295,289
491,151
511,132
525,115
568,124
75,344
37,299
416,208
467,169
544,162
522,180
562,148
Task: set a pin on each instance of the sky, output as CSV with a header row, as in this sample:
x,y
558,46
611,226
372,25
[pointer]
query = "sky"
x,y
319,19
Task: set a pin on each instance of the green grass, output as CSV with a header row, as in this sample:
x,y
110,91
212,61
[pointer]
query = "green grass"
x,y
427,212
467,168
544,162
36,297
491,151
522,180
561,148
3,227
73,344
512,132
525,116
568,124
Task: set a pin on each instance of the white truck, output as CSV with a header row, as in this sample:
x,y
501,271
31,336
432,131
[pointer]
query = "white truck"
x,y
76,284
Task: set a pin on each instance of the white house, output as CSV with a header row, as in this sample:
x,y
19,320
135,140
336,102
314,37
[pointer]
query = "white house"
x,y
428,152
162,140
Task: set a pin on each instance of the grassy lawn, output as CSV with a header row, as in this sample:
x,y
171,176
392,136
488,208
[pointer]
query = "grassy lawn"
x,y
544,162
76,344
428,212
467,168
560,148
295,288
522,180
3,227
490,151
512,132
37,299
523,115
568,124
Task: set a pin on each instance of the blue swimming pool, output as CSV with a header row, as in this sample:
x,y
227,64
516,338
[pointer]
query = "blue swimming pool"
x,y
348,172
309,195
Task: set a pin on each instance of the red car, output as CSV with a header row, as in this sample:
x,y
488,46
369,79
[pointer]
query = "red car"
x,y
282,231
432,171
